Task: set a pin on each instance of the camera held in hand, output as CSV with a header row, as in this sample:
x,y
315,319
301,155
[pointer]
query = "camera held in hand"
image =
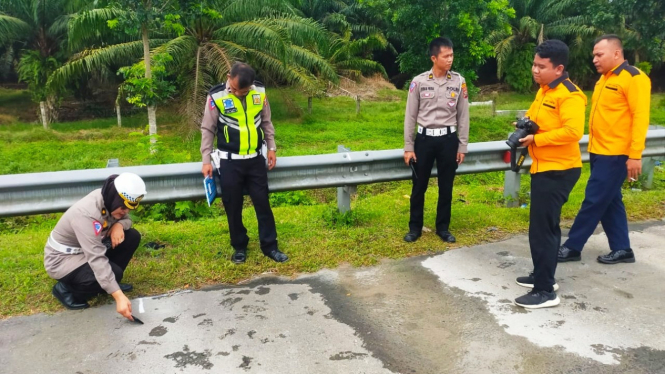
x,y
524,127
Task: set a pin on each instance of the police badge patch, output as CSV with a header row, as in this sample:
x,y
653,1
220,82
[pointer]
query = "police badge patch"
x,y
212,103
256,99
97,227
412,86
229,106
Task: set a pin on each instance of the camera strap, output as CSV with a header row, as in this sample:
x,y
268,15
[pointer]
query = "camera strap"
x,y
516,165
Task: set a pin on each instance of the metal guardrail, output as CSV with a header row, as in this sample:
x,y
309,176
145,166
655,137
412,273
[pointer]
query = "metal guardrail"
x,y
35,193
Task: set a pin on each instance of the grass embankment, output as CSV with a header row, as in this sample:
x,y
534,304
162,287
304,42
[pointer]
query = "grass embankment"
x,y
311,233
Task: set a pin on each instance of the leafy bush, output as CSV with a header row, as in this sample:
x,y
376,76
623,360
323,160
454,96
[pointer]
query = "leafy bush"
x,y
518,73
333,218
291,198
178,211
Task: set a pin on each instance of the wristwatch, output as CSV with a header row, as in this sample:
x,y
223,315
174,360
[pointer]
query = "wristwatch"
x,y
272,149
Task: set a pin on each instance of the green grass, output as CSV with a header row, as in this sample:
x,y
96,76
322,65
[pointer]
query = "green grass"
x,y
312,233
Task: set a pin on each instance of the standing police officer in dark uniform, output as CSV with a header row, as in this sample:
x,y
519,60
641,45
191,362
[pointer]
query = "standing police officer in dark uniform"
x,y
239,114
438,103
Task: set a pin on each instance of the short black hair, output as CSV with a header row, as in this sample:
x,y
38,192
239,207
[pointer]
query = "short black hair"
x,y
610,38
245,74
556,50
438,43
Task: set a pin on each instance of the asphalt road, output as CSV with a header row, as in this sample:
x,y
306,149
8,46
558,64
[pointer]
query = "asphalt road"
x,y
447,313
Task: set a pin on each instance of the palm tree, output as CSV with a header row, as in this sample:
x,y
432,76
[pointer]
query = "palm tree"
x,y
535,21
264,33
356,35
33,32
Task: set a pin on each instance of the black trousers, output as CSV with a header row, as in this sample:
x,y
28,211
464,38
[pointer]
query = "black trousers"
x,y
443,150
82,281
549,191
250,174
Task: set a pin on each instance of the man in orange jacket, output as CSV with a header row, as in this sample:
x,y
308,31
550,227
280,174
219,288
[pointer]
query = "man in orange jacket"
x,y
618,126
557,163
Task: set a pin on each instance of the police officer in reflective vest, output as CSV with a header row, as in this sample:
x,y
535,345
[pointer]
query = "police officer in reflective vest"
x,y
437,116
238,113
92,244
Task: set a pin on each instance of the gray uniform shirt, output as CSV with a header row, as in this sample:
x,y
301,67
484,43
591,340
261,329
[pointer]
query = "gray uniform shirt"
x,y
209,125
435,103
82,226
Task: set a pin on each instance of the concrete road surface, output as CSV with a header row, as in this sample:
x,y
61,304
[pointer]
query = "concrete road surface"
x,y
447,313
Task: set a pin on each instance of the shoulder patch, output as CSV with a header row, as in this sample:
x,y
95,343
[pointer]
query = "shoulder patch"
x,y
97,227
413,86
570,86
632,70
217,88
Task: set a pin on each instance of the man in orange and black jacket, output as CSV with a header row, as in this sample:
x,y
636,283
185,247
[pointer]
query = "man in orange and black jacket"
x,y
618,126
557,163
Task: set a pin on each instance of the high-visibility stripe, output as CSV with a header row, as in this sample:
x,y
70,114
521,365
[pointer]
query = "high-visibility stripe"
x,y
239,119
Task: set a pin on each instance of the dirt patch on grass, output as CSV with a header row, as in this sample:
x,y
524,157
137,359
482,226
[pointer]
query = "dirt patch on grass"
x,y
371,88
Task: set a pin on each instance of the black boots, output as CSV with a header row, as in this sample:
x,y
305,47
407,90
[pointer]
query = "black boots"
x,y
66,297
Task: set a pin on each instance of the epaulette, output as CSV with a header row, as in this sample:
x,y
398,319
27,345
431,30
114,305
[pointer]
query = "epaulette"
x,y
217,88
570,86
632,70
259,84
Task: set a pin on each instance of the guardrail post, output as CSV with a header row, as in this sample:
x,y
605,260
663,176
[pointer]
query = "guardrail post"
x,y
344,193
511,188
648,166
112,163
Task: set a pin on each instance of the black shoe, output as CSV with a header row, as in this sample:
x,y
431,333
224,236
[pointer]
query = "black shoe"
x,y
538,299
277,256
529,280
412,236
66,297
446,236
125,287
239,256
566,254
616,257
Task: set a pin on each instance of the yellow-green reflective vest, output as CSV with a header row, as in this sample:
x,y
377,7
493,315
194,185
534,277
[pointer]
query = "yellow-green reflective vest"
x,y
239,129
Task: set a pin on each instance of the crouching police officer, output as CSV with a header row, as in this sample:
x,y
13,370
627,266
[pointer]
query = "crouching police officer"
x,y
239,114
92,244
557,164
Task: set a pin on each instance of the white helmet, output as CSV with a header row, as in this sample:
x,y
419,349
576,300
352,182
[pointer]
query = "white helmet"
x,y
131,188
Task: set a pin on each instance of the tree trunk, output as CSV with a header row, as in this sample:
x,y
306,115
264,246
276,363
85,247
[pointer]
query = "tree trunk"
x,y
44,112
541,35
117,112
196,75
637,58
152,117
152,122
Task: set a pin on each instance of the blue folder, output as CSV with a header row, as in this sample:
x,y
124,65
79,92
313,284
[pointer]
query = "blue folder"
x,y
210,189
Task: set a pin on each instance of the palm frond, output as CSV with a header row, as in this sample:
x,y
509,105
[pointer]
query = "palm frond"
x,y
94,59
91,28
13,29
260,34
